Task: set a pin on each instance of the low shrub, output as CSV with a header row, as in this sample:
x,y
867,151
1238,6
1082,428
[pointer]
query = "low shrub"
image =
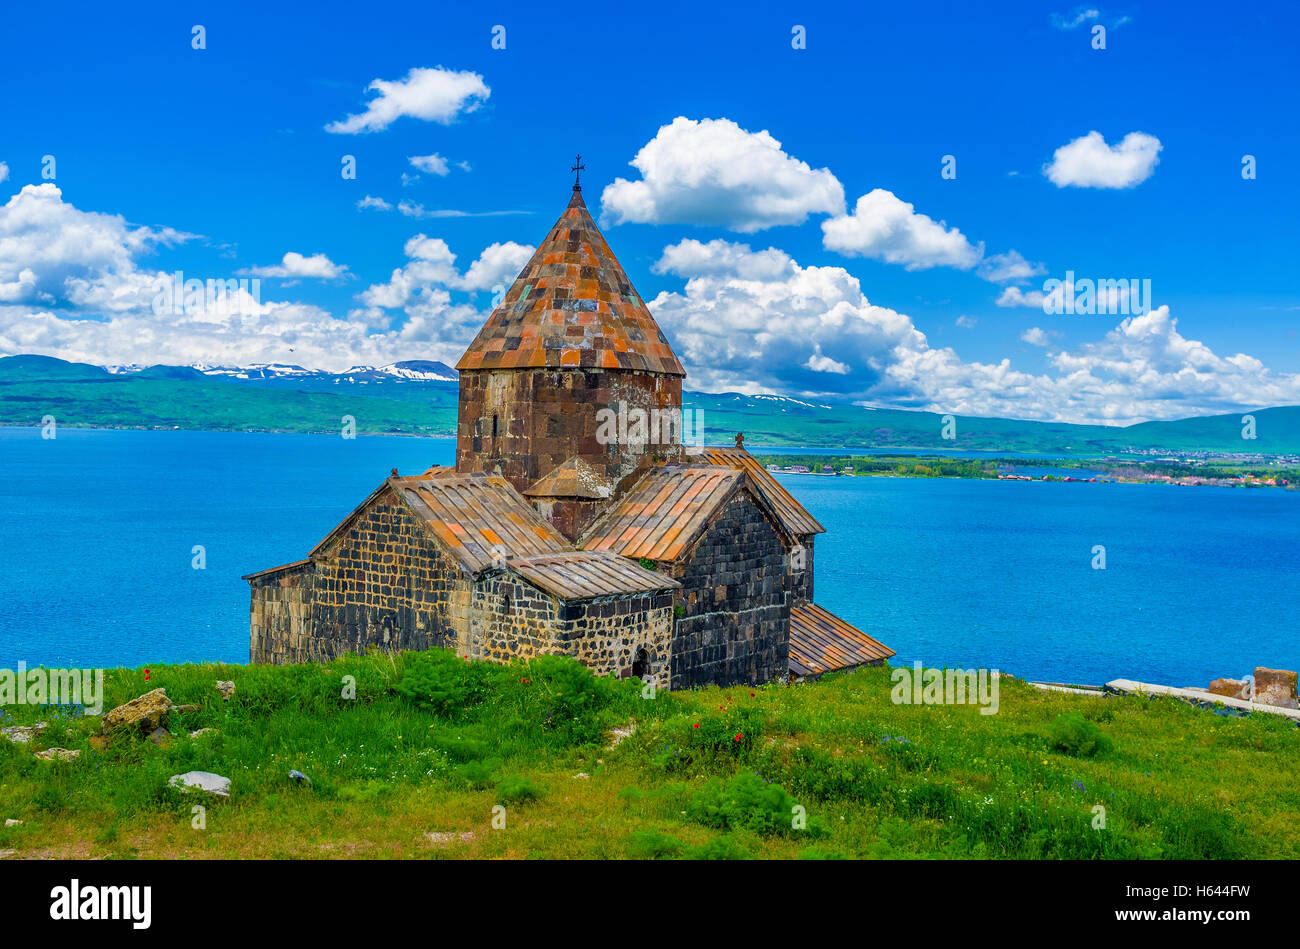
x,y
745,802
442,682
653,845
516,789
1075,735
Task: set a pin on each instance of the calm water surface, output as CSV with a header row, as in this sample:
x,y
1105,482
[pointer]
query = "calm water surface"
x,y
97,531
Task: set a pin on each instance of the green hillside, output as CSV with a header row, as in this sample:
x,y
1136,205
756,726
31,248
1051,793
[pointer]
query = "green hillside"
x,y
781,422
432,756
166,397
84,396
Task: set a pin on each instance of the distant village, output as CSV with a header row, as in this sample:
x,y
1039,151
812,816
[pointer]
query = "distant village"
x,y
1181,471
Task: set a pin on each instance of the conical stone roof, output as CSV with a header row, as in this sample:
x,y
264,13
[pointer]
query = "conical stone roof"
x,y
572,306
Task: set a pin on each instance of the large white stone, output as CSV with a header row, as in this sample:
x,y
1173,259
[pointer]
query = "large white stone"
x,y
203,781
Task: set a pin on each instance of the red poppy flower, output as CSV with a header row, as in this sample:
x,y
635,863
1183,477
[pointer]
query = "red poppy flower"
x,y
738,737
696,725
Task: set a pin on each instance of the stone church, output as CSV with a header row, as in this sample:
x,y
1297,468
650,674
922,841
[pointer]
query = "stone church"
x,y
556,532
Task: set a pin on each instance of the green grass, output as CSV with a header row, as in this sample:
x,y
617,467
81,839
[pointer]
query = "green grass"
x,y
707,774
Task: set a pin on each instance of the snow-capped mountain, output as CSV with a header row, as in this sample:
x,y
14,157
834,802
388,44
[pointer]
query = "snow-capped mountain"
x,y
422,370
412,370
260,370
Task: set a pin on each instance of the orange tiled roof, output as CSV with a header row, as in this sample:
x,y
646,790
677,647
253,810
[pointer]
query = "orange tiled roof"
x,y
582,575
470,514
474,514
794,516
573,479
822,642
572,305
663,513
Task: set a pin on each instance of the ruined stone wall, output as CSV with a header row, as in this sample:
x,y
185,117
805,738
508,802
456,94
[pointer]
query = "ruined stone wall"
x,y
381,583
523,423
736,591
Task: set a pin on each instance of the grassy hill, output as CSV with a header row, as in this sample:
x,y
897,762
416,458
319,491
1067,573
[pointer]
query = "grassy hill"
x,y
777,422
84,396
80,396
431,744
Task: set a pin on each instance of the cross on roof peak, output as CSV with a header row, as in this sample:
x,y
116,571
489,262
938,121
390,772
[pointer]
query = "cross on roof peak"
x,y
577,169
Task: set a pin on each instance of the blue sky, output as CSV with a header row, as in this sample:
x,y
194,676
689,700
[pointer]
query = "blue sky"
x,y
740,223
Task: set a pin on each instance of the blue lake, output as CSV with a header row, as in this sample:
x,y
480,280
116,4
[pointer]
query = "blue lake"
x,y
97,531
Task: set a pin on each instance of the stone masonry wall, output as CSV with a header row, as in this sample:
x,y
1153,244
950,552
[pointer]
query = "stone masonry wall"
x,y
513,619
280,620
510,618
736,593
802,580
382,583
523,423
606,634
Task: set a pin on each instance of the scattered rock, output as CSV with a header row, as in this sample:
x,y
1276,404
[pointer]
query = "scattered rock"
x,y
98,742
1275,687
62,754
1232,688
144,713
182,709
582,774
11,822
4,854
200,732
201,781
300,778
447,837
227,689
21,734
618,734
160,736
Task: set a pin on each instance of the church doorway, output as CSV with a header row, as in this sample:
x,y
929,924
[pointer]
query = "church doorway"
x,y
641,664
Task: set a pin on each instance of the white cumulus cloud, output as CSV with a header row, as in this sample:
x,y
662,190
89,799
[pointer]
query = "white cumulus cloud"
x,y
434,95
317,266
884,227
74,284
1010,267
713,172
433,164
1088,162
757,321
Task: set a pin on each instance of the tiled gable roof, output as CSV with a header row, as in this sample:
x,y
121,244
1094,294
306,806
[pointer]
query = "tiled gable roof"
x,y
572,305
475,514
794,516
662,514
822,642
584,575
